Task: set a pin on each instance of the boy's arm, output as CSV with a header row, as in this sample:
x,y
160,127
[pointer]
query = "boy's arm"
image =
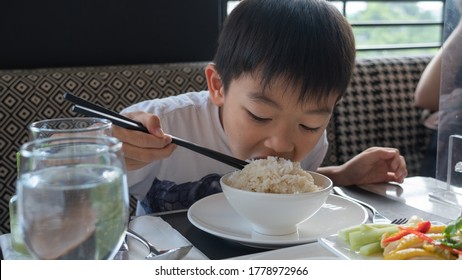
x,y
427,92
335,174
374,165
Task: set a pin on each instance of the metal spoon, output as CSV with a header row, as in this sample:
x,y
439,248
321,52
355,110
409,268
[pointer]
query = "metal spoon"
x,y
154,254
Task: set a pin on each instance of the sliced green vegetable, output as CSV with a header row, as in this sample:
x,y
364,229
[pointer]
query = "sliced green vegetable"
x,y
344,234
377,226
370,249
369,234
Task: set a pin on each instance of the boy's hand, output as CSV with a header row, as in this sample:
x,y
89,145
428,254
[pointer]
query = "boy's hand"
x,y
142,148
374,165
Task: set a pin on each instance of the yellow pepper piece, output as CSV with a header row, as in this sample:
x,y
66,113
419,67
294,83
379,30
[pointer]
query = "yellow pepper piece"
x,y
410,253
412,240
436,229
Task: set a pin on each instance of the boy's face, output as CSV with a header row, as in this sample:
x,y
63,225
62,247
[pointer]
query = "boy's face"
x,y
270,123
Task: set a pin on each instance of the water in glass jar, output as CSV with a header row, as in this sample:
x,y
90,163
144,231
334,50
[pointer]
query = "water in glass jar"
x,y
74,212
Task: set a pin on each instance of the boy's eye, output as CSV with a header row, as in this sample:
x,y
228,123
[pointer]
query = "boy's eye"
x,y
256,118
309,129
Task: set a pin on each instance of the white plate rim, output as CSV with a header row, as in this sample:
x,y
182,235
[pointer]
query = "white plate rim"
x,y
205,224
309,251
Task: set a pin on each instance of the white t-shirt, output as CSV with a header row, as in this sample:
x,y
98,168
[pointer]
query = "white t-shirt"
x,y
192,117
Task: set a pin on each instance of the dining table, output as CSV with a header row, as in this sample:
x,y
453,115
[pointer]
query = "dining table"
x,y
415,196
412,197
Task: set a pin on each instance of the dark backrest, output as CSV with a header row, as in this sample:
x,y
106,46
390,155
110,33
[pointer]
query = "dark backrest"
x,y
56,33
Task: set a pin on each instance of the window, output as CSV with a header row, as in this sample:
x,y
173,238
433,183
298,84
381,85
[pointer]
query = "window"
x,y
392,27
384,28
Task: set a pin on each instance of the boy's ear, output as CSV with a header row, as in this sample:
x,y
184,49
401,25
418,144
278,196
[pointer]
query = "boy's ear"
x,y
214,84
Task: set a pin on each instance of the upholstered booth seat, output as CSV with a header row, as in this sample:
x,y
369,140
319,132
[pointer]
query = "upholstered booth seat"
x,y
377,109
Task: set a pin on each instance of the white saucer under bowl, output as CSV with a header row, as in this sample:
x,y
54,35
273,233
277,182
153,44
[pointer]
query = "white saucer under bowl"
x,y
214,215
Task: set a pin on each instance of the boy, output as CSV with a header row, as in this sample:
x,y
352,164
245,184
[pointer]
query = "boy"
x,y
280,68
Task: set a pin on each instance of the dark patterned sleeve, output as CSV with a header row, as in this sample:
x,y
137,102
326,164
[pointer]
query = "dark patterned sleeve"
x,y
167,195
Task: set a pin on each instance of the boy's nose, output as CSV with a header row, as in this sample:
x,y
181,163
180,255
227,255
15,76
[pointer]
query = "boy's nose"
x,y
280,142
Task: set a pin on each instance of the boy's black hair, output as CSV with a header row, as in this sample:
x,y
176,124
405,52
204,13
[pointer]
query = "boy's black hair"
x,y
308,43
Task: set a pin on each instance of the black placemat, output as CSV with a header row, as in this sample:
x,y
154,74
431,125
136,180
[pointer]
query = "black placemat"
x,y
213,247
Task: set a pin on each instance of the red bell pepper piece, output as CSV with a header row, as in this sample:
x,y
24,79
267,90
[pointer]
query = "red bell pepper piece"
x,y
421,227
397,236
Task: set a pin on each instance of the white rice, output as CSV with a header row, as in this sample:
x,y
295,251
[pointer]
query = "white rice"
x,y
273,175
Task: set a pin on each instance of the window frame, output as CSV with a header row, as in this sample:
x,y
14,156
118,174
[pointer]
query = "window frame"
x,y
404,46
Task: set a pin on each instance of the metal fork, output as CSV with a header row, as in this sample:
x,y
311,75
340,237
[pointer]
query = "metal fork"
x,y
399,221
377,218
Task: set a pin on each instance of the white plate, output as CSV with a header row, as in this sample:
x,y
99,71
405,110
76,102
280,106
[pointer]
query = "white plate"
x,y
343,251
214,215
310,251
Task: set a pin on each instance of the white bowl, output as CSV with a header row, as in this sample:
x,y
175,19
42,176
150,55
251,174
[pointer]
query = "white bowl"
x,y
277,214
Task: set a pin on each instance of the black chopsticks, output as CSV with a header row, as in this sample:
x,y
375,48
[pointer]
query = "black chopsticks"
x,y
92,110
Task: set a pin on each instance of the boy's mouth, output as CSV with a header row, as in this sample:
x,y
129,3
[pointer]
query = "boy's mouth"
x,y
262,157
265,157
258,157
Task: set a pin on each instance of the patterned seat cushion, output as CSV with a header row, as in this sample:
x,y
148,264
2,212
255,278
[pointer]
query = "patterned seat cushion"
x,y
30,95
378,110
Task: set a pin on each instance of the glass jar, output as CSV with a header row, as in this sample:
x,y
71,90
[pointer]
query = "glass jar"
x,y
17,240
